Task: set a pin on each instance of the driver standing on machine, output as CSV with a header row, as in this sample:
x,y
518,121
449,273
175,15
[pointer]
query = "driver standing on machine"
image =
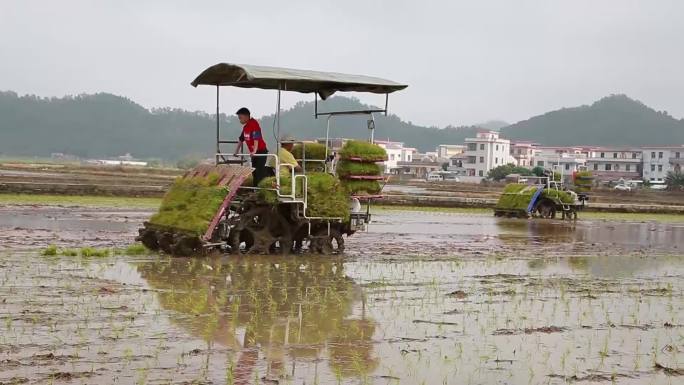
x,y
251,135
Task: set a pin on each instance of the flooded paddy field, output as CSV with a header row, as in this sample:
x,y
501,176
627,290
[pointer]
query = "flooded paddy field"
x,y
422,298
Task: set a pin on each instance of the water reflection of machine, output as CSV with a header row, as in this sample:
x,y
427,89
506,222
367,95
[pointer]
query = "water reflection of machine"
x,y
288,310
516,232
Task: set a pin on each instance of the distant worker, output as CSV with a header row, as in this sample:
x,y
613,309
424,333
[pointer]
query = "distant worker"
x,y
284,157
251,135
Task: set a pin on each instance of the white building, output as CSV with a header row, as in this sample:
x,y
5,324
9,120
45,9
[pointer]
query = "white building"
x,y
523,153
659,160
396,152
562,159
446,151
612,164
485,152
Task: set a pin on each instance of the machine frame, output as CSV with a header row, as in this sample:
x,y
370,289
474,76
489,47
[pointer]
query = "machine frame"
x,y
323,85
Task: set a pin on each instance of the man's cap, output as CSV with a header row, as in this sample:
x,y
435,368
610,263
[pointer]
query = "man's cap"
x,y
287,138
243,111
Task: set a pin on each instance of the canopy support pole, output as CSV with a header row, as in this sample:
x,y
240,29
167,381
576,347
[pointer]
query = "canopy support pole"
x,y
218,139
315,105
386,103
327,141
278,121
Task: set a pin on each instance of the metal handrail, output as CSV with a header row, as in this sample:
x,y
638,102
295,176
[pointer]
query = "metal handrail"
x,y
277,174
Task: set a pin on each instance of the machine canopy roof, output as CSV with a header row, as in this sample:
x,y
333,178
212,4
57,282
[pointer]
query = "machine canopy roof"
x,y
323,83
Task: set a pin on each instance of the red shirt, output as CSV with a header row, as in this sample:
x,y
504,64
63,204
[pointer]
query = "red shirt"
x,y
251,133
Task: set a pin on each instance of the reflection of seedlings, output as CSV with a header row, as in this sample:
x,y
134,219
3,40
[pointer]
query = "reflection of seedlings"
x,y
128,355
603,353
563,359
142,375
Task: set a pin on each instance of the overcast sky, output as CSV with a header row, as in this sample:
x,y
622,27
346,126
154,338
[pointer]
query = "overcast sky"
x,y
465,61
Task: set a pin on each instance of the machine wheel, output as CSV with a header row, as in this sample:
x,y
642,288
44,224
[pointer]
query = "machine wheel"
x,y
546,209
570,214
327,244
148,237
165,240
261,230
185,245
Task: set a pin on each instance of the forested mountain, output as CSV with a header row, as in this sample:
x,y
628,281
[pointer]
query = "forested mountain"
x,y
103,125
615,120
99,125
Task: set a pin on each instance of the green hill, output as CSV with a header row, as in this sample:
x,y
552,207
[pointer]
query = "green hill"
x,y
104,125
97,126
615,120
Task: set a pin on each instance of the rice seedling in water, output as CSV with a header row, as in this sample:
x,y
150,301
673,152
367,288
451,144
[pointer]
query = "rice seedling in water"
x,y
132,250
50,250
94,252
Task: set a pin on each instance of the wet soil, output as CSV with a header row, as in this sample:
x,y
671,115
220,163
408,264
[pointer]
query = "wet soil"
x,y
421,298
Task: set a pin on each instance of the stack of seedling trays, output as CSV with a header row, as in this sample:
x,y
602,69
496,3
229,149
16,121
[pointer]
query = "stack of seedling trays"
x,y
359,169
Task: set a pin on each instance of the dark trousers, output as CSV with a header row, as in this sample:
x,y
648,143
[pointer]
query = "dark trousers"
x,y
260,170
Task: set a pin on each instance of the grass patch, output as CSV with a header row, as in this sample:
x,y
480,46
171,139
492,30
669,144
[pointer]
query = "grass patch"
x,y
190,204
584,180
50,250
347,168
563,196
132,249
136,249
89,252
78,200
363,187
312,151
368,152
327,197
518,196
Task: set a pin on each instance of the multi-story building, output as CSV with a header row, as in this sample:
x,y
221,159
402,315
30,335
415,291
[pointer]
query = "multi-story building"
x,y
612,164
659,160
396,152
446,151
418,168
565,160
485,152
523,153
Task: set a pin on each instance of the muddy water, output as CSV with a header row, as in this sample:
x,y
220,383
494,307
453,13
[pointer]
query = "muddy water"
x,y
410,234
422,298
30,227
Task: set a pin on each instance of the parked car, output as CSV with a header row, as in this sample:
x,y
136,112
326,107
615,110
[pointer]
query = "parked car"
x,y
658,186
622,187
435,178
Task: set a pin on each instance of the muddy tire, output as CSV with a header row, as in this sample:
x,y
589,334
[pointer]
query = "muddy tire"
x,y
546,209
165,240
327,244
148,237
261,230
185,245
